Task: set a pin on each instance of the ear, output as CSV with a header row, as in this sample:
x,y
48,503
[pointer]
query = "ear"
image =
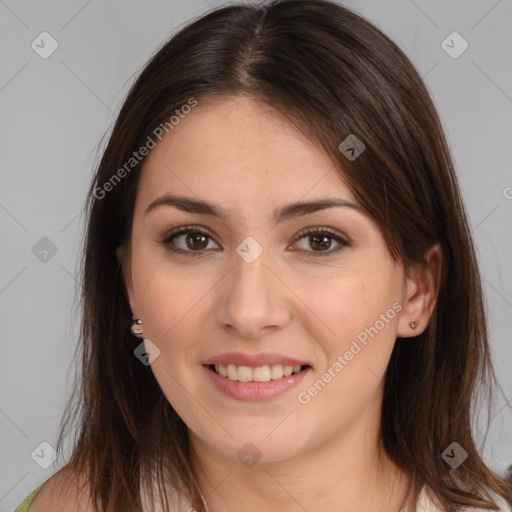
x,y
421,286
124,258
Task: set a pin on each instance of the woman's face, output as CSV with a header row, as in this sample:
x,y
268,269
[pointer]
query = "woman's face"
x,y
255,288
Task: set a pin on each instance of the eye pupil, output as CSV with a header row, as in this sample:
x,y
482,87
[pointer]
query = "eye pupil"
x,y
322,240
196,238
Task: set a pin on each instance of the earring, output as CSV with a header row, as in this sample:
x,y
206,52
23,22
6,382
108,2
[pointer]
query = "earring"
x,y
135,328
413,324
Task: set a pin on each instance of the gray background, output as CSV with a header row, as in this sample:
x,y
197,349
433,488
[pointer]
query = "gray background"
x,y
55,111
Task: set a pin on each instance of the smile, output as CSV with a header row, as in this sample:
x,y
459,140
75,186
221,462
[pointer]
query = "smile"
x,y
274,380
263,373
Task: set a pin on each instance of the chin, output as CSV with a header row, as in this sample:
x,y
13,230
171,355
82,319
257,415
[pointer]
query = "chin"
x,y
258,448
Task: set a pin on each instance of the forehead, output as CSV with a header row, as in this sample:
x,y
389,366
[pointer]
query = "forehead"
x,y
239,150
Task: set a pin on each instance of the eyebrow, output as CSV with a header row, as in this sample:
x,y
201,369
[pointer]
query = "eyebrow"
x,y
286,212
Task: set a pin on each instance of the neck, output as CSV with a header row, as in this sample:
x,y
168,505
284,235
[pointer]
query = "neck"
x,y
349,473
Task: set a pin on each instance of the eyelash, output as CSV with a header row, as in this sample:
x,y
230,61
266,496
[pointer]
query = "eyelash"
x,y
166,242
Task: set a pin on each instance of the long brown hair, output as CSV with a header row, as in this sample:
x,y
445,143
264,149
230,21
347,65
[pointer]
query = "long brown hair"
x,y
333,74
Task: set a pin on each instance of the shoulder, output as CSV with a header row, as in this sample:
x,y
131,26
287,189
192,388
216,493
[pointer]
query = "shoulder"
x,y
67,491
427,503
63,492
504,506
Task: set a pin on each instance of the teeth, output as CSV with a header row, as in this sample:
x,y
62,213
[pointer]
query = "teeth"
x,y
259,374
276,371
232,372
288,370
244,374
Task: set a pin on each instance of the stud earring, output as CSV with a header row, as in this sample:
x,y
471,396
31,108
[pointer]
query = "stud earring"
x,y
413,324
135,328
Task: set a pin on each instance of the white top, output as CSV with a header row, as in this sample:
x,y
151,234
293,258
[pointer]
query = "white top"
x,y
425,504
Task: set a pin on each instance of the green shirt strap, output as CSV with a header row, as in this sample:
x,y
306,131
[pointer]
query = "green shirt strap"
x,y
23,507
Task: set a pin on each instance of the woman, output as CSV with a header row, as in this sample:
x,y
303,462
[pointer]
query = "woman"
x,y
281,303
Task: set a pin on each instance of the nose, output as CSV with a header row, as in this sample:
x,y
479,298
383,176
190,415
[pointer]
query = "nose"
x,y
253,301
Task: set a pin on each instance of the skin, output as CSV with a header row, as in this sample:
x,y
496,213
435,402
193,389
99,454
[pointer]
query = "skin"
x,y
248,159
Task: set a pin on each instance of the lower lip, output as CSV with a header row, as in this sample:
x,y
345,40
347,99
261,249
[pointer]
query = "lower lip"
x,y
255,390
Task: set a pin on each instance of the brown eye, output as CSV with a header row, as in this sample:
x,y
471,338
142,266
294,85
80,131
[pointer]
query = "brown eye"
x,y
196,241
319,240
188,240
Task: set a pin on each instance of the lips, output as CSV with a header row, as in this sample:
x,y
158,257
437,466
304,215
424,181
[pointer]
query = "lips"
x,y
256,377
254,360
255,391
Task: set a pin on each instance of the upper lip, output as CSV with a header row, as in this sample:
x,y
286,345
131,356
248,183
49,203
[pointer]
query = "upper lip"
x,y
254,360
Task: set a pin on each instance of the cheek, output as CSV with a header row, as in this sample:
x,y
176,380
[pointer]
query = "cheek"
x,y
166,300
169,303
339,309
355,326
